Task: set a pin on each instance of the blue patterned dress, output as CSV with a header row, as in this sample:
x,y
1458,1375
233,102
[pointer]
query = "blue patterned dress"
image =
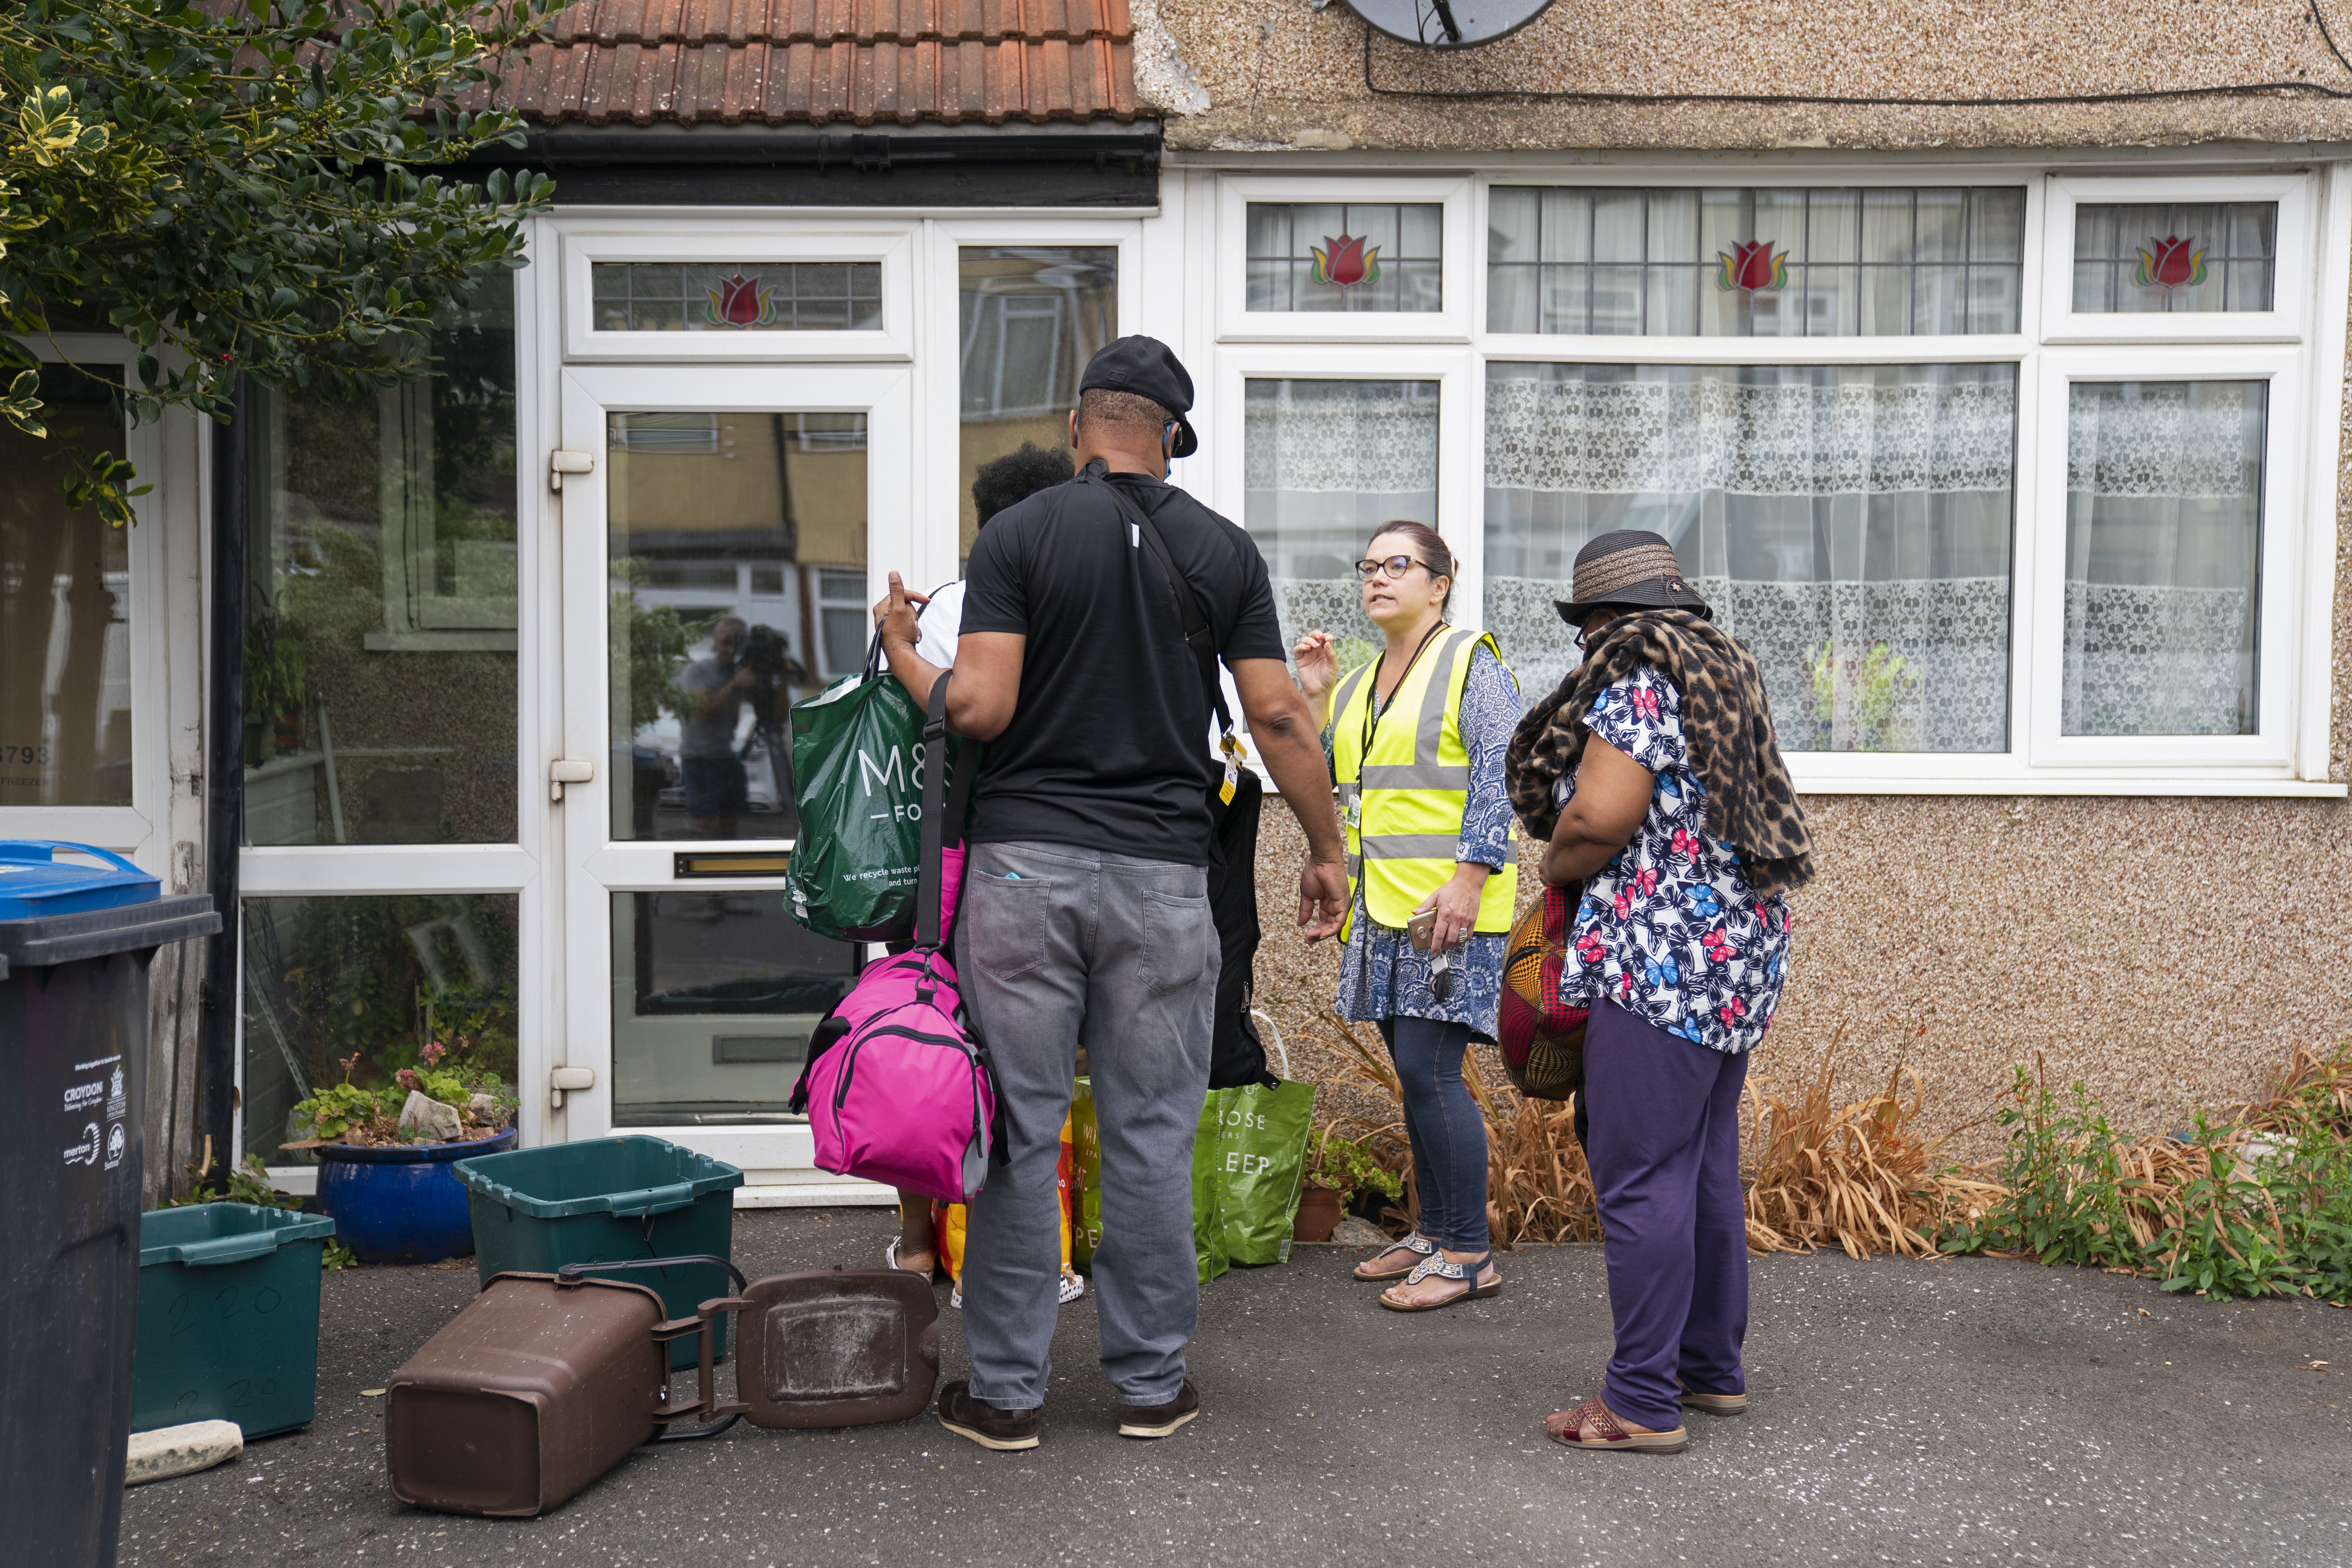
x,y
1670,931
1381,976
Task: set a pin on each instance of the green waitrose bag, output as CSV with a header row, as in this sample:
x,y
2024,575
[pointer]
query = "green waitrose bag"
x,y
1259,1151
857,779
1209,1251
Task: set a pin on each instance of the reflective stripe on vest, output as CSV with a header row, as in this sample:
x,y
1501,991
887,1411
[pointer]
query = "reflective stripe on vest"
x,y
1411,791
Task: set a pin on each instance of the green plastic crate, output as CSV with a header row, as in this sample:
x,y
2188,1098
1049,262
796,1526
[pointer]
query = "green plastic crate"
x,y
228,1317
605,1201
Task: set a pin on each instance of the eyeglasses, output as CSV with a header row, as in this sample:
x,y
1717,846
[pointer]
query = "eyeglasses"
x,y
1395,566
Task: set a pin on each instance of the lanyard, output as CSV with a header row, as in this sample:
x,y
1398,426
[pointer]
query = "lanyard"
x,y
1374,709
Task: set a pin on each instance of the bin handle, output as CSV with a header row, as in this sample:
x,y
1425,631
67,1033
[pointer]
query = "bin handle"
x,y
226,1249
572,1273
647,1202
15,849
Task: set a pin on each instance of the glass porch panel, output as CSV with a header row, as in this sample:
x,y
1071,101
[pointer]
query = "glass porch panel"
x,y
737,585
2164,523
1324,464
353,989
1850,525
715,994
1345,256
731,296
2177,256
65,609
1030,317
380,614
1764,261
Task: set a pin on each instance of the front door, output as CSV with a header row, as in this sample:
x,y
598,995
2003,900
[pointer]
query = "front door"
x,y
720,550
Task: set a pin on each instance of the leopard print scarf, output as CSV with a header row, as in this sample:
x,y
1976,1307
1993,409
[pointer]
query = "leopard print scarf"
x,y
1750,803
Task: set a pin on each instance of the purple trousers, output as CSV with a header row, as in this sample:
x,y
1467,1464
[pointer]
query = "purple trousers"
x,y
1662,1137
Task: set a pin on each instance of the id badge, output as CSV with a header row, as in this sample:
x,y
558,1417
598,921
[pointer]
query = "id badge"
x,y
1356,811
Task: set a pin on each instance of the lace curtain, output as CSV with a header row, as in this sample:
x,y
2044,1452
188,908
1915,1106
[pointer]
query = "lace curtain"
x,y
1849,524
1325,463
2164,484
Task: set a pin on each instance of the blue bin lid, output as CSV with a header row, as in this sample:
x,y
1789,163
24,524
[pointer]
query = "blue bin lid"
x,y
33,882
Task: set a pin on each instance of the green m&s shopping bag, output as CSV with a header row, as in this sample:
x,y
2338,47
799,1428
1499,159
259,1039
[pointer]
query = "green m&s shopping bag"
x,y
857,779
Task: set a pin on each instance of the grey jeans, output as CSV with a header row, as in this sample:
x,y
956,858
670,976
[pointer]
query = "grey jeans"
x,y
1059,947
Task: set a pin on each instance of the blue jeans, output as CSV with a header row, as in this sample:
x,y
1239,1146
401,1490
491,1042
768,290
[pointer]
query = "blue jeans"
x,y
1448,1135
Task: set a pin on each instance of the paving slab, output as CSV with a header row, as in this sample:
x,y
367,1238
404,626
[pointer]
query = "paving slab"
x,y
1963,1411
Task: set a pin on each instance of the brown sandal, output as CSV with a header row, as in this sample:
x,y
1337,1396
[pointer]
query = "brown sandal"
x,y
1610,1434
1713,1404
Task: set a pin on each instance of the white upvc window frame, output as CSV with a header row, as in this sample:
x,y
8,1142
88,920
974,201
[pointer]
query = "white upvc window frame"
x,y
2288,320
2295,347
137,830
888,241
2271,748
1458,515
1460,288
937,542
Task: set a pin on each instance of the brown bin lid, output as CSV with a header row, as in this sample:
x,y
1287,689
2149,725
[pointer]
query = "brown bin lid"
x,y
837,1348
526,1396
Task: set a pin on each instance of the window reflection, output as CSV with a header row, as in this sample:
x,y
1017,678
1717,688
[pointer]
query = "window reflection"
x,y
715,994
380,601
737,552
1032,316
65,602
353,989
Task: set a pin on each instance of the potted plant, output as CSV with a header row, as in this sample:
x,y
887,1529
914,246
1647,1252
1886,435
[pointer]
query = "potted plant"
x,y
1338,1169
384,1155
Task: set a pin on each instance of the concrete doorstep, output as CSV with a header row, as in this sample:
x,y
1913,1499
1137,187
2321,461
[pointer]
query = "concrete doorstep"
x,y
169,1451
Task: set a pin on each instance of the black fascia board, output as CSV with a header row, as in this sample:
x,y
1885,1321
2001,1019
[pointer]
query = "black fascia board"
x,y
910,165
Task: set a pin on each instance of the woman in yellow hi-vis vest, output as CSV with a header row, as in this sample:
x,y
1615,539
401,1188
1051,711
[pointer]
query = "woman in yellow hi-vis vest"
x,y
1416,739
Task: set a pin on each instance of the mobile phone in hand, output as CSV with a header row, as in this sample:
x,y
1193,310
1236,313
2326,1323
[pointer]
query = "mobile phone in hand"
x,y
1420,929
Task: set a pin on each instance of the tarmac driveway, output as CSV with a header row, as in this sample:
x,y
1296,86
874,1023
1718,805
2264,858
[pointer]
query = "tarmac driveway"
x,y
1962,1412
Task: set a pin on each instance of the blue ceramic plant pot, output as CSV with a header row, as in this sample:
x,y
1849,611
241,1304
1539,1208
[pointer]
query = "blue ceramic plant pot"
x,y
402,1204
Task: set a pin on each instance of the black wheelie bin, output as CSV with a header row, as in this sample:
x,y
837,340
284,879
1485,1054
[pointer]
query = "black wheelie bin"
x,y
74,944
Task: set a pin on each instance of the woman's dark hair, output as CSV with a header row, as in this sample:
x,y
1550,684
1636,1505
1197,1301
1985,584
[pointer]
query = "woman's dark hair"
x,y
1428,546
1017,476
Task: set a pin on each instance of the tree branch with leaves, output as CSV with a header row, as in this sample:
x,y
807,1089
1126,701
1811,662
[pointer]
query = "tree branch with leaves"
x,y
245,187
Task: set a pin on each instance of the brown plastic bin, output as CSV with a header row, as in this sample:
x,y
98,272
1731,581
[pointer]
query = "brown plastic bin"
x,y
537,1388
838,1347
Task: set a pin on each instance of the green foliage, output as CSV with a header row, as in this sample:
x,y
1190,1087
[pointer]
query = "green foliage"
x,y
657,640
2062,1170
338,1256
246,187
246,1184
2262,1208
1870,690
1348,1165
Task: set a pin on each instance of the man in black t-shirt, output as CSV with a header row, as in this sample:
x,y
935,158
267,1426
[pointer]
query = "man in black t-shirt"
x,y
1084,917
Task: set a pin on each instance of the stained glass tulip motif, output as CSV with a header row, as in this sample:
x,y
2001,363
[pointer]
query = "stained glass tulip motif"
x,y
1752,266
2170,263
741,301
1346,261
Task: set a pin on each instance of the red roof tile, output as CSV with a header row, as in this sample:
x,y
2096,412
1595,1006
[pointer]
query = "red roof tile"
x,y
778,62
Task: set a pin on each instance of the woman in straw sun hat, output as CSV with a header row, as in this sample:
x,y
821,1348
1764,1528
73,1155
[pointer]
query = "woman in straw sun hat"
x,y
1653,775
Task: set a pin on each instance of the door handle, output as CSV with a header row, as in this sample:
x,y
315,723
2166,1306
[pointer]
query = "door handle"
x,y
567,770
560,462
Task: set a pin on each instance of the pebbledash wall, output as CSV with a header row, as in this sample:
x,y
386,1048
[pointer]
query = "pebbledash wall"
x,y
2169,942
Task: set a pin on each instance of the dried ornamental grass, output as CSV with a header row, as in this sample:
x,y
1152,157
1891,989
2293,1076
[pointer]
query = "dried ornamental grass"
x,y
1858,1177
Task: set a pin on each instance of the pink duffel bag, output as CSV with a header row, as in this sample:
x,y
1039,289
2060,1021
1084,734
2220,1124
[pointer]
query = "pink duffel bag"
x,y
896,1088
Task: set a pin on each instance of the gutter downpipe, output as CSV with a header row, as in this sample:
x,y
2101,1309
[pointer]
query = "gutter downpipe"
x,y
224,787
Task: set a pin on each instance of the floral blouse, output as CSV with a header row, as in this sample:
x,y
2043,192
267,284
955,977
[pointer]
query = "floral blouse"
x,y
1380,975
1670,931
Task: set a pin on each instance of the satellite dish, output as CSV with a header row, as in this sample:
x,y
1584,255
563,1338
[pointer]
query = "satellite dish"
x,y
1449,24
